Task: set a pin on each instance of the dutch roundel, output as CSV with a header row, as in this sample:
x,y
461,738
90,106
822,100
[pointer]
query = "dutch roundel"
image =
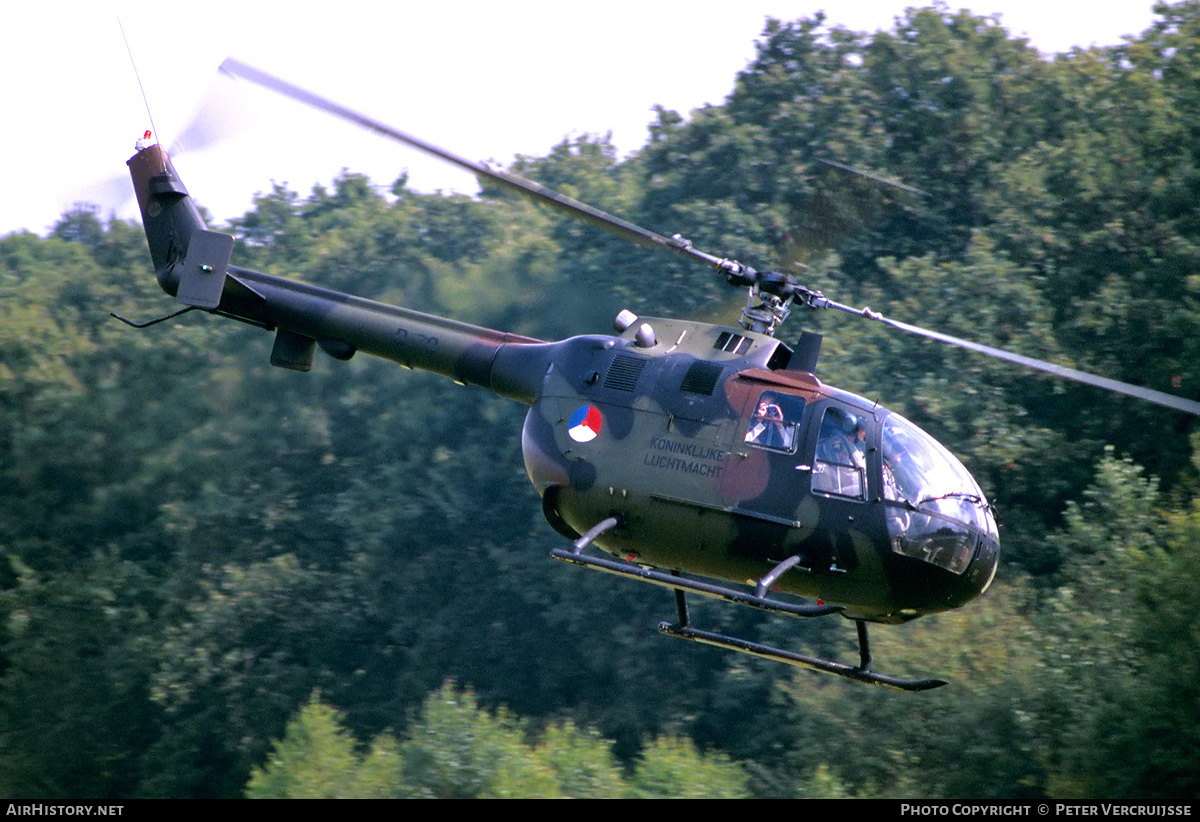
x,y
585,424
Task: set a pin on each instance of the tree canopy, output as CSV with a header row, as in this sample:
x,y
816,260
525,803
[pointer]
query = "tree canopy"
x,y
224,579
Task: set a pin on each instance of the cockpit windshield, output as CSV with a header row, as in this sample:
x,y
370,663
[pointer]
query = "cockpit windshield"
x,y
935,494
919,471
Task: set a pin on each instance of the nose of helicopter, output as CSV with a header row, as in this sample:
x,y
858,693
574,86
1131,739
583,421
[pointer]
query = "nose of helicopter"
x,y
983,567
955,564
978,576
936,513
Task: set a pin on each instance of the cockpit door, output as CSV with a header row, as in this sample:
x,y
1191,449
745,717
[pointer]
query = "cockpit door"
x,y
839,460
769,477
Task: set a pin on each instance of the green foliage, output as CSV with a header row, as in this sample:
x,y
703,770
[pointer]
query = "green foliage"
x,y
195,542
672,767
460,750
75,712
824,784
975,739
318,759
583,763
1121,645
314,760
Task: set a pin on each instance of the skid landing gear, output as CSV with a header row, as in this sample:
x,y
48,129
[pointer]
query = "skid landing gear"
x,y
684,630
861,672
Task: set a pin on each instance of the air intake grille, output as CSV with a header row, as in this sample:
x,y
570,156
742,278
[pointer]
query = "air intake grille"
x,y
701,378
624,372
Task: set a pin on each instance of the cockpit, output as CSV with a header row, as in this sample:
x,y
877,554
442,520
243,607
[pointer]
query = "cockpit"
x,y
935,510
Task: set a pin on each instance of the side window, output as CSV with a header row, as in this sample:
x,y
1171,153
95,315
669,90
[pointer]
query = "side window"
x,y
840,464
776,422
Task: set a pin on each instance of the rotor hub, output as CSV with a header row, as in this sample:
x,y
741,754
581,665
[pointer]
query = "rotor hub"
x,y
764,313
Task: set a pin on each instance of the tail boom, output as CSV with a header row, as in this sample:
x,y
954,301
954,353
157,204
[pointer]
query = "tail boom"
x,y
305,316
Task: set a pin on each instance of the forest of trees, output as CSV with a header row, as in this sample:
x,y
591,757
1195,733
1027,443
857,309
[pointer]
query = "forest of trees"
x,y
223,579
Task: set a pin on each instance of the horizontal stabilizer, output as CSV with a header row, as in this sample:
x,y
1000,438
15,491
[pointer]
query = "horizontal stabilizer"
x,y
203,270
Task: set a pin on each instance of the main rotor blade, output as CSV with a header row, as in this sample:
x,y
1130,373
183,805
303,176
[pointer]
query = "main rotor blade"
x,y
733,271
538,192
875,177
1137,391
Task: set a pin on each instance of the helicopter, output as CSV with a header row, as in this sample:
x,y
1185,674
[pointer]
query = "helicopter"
x,y
705,459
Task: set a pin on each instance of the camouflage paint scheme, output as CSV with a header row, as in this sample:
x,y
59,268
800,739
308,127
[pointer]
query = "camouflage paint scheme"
x,y
671,461
663,415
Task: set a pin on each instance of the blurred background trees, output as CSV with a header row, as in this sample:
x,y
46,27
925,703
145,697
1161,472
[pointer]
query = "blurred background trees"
x,y
218,575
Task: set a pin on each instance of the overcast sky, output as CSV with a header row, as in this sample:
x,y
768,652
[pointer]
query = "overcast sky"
x,y
487,80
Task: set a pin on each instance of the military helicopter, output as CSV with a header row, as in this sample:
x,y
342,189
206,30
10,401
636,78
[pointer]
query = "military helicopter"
x,y
707,459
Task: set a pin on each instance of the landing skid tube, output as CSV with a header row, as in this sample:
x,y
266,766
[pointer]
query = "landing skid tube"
x,y
861,674
681,585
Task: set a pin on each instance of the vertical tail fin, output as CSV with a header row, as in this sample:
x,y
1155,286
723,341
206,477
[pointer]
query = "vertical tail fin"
x,y
169,216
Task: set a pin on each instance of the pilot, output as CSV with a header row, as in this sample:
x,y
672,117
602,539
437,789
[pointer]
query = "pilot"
x,y
901,480
891,461
858,439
